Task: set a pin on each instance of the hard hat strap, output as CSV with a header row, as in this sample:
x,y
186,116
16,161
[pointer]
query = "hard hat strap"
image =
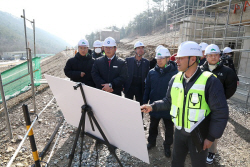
x,y
187,67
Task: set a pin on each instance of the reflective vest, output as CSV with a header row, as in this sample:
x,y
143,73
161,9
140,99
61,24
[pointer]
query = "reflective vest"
x,y
196,107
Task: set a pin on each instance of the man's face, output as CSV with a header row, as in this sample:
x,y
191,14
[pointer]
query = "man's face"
x,y
182,62
140,50
162,62
83,50
213,58
109,51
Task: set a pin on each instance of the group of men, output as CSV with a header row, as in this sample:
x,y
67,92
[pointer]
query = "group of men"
x,y
181,99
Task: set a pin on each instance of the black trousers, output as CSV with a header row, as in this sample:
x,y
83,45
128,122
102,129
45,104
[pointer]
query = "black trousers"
x,y
153,131
183,144
137,92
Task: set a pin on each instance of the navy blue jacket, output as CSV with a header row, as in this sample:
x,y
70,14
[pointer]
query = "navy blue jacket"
x,y
78,64
157,85
116,74
215,98
131,63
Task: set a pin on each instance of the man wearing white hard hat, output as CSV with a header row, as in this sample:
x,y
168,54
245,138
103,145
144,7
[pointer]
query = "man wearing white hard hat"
x,y
197,105
227,58
138,68
203,46
227,77
97,49
156,89
78,68
153,62
110,72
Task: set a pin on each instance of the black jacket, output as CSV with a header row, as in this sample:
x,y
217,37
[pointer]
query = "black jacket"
x,y
202,61
116,74
78,64
157,85
215,98
95,55
153,63
227,77
131,63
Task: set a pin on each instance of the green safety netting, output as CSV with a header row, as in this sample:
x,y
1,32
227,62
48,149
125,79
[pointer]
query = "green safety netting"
x,y
17,79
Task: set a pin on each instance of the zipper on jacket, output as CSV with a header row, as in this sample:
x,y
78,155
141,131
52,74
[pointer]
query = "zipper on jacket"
x,y
184,104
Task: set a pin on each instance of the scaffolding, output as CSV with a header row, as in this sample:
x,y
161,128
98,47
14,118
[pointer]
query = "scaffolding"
x,y
207,21
212,21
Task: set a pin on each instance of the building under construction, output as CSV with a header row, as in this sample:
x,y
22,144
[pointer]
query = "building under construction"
x,y
224,23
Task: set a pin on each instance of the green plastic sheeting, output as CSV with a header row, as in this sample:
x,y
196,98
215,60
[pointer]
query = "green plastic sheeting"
x,y
14,86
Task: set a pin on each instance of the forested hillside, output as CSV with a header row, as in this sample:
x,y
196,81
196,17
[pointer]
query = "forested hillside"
x,y
12,36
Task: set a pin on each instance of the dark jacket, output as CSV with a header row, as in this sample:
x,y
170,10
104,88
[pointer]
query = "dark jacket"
x,y
78,64
227,77
202,61
157,85
131,63
153,62
116,74
215,98
95,55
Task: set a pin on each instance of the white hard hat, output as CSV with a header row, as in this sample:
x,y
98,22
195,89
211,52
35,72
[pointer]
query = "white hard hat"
x,y
212,48
109,42
162,53
83,42
97,44
189,48
227,50
138,44
203,46
158,47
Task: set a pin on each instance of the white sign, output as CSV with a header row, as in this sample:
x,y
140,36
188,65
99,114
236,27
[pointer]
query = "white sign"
x,y
119,118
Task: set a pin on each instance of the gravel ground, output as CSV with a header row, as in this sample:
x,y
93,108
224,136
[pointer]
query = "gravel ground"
x,y
233,147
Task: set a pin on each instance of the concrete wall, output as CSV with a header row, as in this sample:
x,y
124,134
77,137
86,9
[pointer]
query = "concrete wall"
x,y
113,34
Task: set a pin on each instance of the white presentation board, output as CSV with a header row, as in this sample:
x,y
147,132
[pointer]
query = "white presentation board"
x,y
119,117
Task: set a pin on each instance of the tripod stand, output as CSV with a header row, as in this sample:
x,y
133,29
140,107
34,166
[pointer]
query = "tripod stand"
x,y
86,109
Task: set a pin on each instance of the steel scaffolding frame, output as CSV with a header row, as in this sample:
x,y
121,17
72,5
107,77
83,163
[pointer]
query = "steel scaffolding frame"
x,y
198,20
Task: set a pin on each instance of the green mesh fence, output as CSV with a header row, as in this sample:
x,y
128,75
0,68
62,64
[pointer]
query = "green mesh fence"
x,y
17,80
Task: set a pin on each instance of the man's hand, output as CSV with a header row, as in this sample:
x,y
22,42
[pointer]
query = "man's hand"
x,y
207,144
146,108
82,74
107,88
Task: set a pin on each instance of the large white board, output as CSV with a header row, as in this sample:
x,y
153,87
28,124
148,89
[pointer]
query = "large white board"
x,y
119,118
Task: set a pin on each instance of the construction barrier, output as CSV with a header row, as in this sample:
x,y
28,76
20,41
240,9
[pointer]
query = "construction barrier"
x,y
17,79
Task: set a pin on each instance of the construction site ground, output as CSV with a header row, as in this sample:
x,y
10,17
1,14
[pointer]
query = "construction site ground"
x,y
233,146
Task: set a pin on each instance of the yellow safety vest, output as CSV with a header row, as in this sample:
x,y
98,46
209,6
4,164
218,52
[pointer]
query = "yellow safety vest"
x,y
196,107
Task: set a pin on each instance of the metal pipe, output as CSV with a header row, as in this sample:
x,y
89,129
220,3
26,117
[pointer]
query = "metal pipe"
x,y
42,154
204,12
225,32
31,135
34,34
32,81
26,134
19,78
242,4
26,43
5,108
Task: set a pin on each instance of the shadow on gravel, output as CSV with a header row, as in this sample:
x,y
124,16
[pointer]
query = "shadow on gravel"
x,y
241,130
